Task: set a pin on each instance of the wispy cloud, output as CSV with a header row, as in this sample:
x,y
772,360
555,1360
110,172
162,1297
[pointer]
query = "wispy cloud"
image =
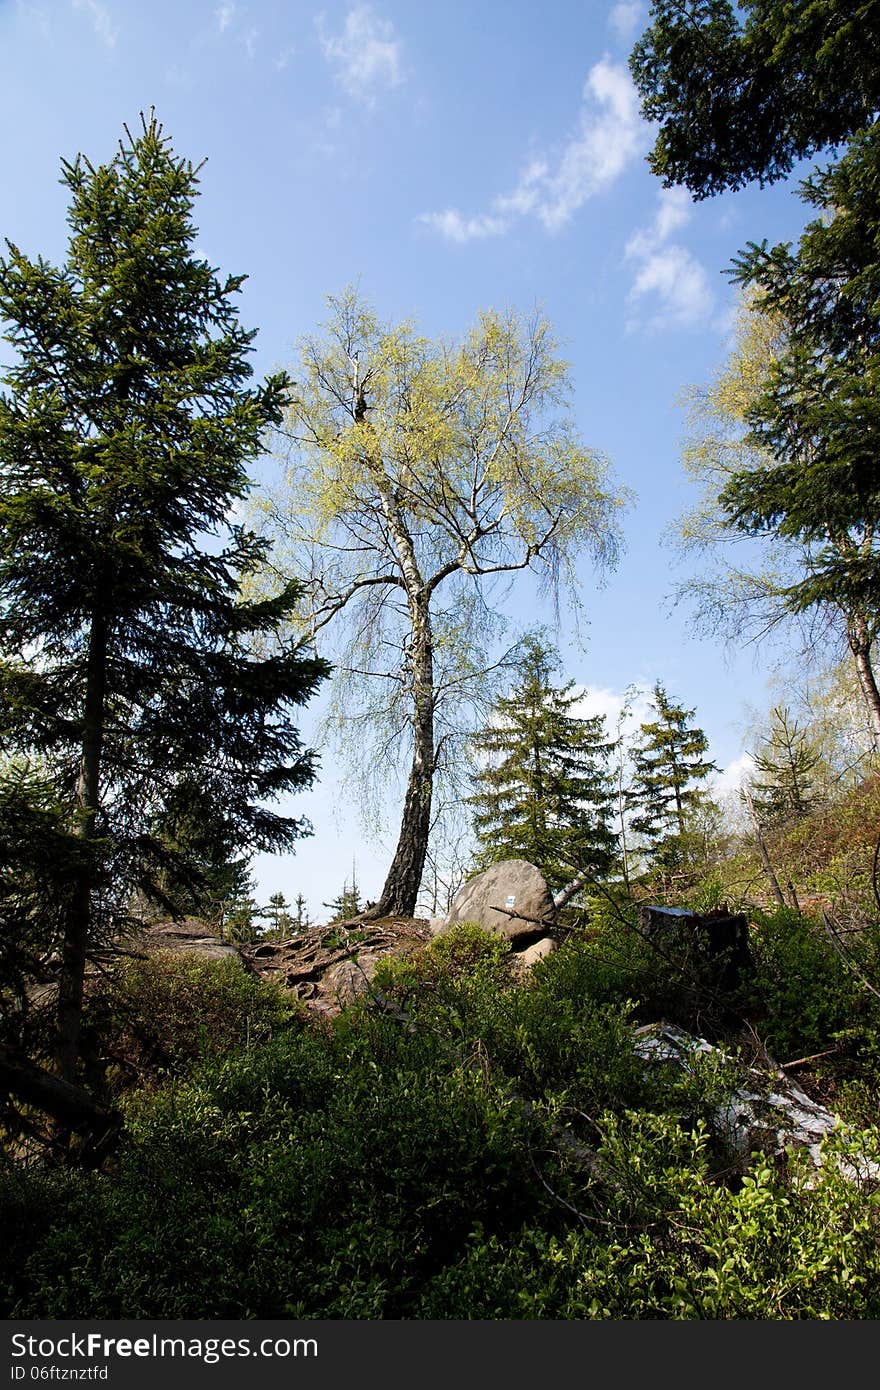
x,y
36,15
673,211
626,18
455,227
100,19
668,276
231,20
731,779
366,56
283,57
610,134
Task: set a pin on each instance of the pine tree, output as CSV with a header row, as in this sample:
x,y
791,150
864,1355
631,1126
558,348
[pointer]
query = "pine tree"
x,y
785,763
347,903
281,923
301,920
127,656
545,794
668,764
234,907
239,913
37,854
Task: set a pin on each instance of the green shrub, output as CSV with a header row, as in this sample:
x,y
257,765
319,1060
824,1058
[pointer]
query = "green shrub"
x,y
457,1145
805,994
165,1014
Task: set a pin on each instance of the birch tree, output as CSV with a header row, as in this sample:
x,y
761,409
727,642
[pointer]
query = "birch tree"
x,y
421,476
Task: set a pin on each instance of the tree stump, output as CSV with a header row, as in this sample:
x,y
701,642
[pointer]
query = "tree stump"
x,y
710,949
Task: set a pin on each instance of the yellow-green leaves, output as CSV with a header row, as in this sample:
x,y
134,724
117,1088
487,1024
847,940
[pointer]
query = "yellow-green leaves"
x,y
418,472
467,448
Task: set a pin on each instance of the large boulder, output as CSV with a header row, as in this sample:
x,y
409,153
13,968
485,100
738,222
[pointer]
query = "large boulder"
x,y
538,950
510,898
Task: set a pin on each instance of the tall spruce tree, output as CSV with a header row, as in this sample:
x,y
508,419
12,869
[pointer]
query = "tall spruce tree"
x,y
545,793
817,414
128,672
668,766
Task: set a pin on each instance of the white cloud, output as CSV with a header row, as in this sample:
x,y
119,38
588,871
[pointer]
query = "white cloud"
x,y
679,285
451,225
100,18
635,701
668,276
36,15
230,18
610,134
284,56
626,18
674,212
367,55
733,777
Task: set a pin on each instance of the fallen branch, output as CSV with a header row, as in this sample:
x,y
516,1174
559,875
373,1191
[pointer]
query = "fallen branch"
x,y
802,1061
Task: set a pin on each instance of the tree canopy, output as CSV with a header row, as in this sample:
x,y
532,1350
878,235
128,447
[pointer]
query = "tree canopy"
x,y
793,579
785,759
814,412
743,91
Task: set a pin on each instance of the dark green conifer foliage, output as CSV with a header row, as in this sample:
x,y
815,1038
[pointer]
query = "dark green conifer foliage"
x,y
785,766
818,415
668,765
127,666
743,88
277,912
300,920
38,855
545,794
347,903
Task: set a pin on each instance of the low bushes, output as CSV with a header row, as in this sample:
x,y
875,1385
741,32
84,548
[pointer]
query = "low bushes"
x,y
459,1145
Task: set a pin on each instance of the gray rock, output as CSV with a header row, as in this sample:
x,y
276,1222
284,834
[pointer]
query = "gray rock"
x,y
769,1111
187,937
344,983
511,898
538,950
329,967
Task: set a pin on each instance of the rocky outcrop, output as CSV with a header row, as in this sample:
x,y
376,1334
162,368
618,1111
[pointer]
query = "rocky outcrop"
x,y
538,950
510,898
190,935
329,967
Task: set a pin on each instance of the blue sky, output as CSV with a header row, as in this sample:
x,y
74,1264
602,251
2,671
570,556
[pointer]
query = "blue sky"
x,y
449,155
